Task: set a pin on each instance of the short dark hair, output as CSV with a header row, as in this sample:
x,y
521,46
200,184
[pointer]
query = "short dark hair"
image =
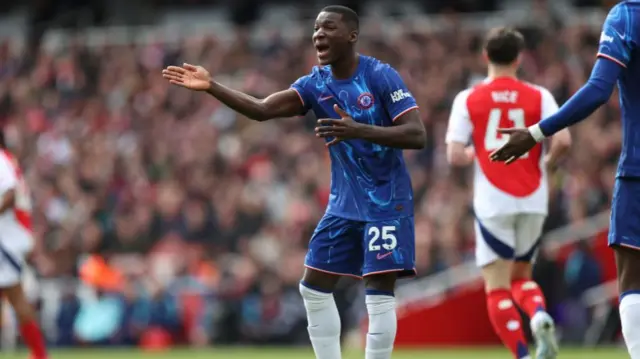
x,y
503,45
348,15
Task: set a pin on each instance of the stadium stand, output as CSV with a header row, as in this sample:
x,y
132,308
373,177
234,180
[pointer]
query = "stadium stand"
x,y
207,215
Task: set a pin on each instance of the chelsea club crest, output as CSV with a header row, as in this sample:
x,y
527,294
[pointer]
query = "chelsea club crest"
x,y
365,101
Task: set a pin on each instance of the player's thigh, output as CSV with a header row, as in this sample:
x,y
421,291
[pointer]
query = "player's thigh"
x,y
628,266
335,250
497,274
528,235
389,251
18,300
495,239
624,232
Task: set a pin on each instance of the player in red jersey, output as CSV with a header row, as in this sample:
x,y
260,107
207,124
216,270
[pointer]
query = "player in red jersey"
x,y
510,203
16,242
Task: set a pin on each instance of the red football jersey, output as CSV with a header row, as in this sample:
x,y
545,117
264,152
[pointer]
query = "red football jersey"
x,y
479,112
10,176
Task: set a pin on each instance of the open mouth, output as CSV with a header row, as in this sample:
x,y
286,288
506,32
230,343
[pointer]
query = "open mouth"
x,y
322,50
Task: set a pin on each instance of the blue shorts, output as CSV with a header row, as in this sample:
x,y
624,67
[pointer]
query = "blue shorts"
x,y
624,229
353,248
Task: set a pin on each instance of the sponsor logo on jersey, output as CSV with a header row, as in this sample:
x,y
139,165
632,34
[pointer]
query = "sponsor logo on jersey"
x,y
365,100
399,95
605,38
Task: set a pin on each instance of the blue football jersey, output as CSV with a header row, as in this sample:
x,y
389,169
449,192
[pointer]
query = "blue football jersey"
x,y
369,182
618,42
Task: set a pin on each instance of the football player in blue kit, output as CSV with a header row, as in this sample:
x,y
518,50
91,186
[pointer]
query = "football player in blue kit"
x,y
367,117
618,61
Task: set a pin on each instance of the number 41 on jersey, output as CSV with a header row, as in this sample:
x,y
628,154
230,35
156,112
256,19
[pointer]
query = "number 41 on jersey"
x,y
494,140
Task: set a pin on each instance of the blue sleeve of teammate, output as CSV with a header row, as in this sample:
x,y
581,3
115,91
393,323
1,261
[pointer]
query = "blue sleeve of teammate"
x,y
584,102
617,43
618,37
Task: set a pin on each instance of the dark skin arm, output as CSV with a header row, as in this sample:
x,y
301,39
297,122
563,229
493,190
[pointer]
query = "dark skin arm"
x,y
280,104
407,131
285,103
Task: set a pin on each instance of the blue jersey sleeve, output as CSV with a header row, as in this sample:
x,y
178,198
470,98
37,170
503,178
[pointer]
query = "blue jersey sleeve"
x,y
584,102
617,38
394,93
300,86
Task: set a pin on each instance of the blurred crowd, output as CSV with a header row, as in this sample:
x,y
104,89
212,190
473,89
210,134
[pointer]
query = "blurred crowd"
x,y
207,214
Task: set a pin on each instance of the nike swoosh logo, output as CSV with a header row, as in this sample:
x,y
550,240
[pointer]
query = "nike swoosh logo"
x,y
325,98
619,35
383,256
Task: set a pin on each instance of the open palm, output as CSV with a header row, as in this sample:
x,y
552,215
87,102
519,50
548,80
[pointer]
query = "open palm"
x,y
188,76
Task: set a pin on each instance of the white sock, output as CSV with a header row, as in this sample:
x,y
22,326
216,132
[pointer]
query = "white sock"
x,y
324,323
382,326
630,318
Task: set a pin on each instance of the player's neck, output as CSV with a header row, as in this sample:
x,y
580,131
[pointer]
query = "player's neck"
x,y
496,72
345,68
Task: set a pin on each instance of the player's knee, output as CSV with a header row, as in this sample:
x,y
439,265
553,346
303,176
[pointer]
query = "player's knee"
x,y
21,306
628,265
320,281
385,282
314,298
497,275
521,270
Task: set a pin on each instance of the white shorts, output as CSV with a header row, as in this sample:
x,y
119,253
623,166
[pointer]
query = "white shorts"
x,y
15,245
514,236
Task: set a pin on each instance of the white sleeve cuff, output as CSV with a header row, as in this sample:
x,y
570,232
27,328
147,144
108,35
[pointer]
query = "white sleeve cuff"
x,y
536,132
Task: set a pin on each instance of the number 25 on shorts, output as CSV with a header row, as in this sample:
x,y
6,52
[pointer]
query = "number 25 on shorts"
x,y
382,238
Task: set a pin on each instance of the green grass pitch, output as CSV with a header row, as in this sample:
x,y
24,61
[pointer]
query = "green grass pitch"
x,y
275,353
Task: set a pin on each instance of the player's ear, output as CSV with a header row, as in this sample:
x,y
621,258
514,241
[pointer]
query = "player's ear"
x,y
516,63
353,36
485,56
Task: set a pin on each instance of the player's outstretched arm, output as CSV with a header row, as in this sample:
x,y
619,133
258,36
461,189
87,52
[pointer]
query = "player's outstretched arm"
x,y
280,104
582,104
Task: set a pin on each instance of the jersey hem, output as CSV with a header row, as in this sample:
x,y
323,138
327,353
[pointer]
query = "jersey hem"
x,y
609,57
299,96
403,112
358,219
